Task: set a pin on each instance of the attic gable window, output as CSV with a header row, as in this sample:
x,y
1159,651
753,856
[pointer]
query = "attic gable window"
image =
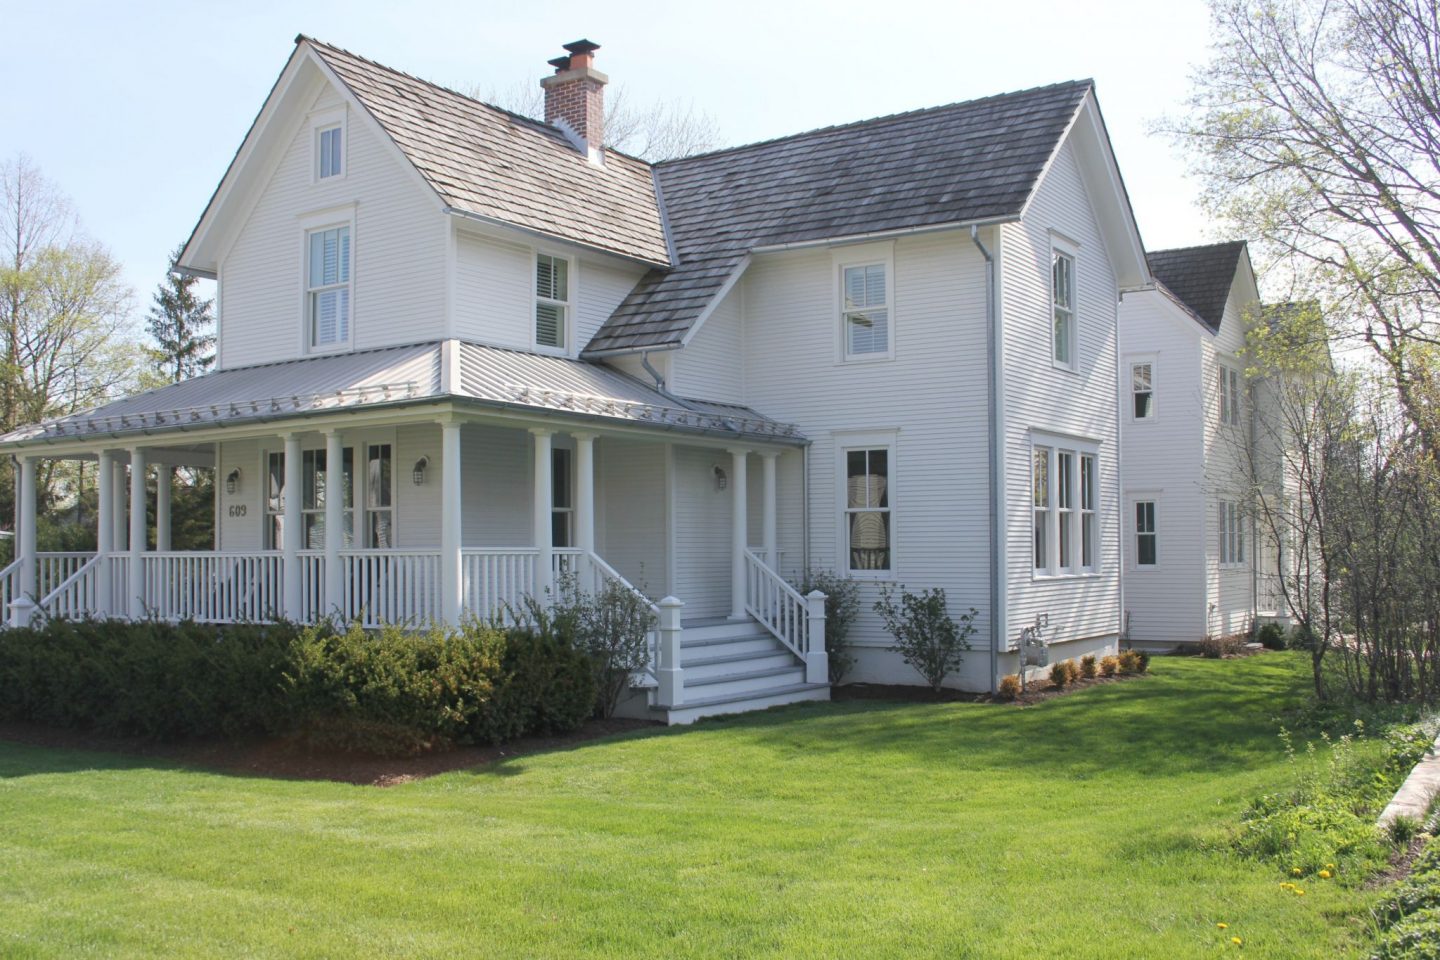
x,y
552,301
329,155
328,287
1142,389
1062,291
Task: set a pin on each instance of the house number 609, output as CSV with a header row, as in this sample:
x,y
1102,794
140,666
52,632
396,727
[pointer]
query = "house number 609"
x,y
237,509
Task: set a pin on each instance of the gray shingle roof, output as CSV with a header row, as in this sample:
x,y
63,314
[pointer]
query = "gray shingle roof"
x,y
954,164
1199,276
499,165
489,376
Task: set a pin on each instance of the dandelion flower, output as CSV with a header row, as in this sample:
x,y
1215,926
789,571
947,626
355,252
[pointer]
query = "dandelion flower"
x,y
1330,867
1223,926
1296,871
1324,874
1236,940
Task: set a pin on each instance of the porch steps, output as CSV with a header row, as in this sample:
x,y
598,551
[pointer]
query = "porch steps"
x,y
736,667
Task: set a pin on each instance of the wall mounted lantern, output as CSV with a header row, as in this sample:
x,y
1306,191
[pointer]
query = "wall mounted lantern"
x,y
232,481
418,474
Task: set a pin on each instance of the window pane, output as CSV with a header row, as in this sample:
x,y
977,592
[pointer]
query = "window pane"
x,y
549,325
381,529
866,473
552,277
870,540
855,288
1064,478
313,479
1041,476
1087,483
560,529
1063,282
560,479
1064,540
1087,540
868,331
1062,335
377,479
1041,560
1145,550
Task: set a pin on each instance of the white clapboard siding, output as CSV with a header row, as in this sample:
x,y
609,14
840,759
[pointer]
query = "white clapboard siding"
x,y
932,395
242,513
1040,397
702,529
602,285
398,248
1162,461
630,492
498,464
712,365
494,291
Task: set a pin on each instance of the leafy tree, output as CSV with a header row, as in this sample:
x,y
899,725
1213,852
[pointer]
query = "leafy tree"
x,y
180,322
1315,130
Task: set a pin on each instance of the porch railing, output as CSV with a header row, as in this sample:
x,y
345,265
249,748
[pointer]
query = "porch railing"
x,y
54,568
212,587
9,585
795,620
496,581
75,596
391,586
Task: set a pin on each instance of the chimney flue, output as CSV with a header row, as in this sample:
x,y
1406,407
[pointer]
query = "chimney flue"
x,y
575,98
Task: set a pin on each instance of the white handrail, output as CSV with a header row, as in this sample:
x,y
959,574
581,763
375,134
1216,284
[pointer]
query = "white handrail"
x,y
7,587
778,606
75,595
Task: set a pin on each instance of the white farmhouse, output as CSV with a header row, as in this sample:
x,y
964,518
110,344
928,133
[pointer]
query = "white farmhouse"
x,y
462,353
1194,564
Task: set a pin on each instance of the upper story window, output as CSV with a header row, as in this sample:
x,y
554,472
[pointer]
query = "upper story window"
x,y
327,287
865,309
1142,390
1232,534
867,509
1229,394
330,161
552,301
1146,537
1062,296
1064,499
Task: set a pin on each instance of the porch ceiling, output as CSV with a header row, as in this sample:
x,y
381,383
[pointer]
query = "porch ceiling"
x,y
488,377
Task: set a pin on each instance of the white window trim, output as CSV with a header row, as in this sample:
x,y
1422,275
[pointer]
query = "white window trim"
x,y
1131,362
321,121
868,440
1080,447
1133,530
1064,246
571,305
312,222
860,255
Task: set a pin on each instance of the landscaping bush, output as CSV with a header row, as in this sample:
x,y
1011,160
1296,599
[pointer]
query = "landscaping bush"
x,y
1060,673
842,606
1109,666
152,679
1132,662
1087,667
925,635
1271,636
392,691
544,686
612,628
1215,648
1009,688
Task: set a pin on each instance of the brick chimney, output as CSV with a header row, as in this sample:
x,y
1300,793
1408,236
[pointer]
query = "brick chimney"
x,y
575,98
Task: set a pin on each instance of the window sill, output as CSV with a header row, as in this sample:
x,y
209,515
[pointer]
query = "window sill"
x,y
328,348
1036,577
864,358
1064,367
872,576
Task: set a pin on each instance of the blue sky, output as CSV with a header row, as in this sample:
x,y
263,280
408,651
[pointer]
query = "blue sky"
x,y
135,110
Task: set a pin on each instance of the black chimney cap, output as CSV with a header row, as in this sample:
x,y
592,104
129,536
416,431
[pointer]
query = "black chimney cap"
x,y
581,46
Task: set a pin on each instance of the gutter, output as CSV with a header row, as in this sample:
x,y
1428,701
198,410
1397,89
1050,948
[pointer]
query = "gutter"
x,y
992,378
885,234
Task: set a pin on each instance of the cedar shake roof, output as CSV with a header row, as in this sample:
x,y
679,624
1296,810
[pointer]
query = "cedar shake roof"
x,y
954,164
1200,277
500,166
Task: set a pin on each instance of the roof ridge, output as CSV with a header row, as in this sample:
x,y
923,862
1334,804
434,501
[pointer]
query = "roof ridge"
x,y
884,118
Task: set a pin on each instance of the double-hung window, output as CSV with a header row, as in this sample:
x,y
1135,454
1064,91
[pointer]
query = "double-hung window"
x,y
552,300
1062,296
1229,395
379,496
867,512
1232,534
315,488
1146,539
1142,390
328,287
865,309
328,149
1064,495
562,496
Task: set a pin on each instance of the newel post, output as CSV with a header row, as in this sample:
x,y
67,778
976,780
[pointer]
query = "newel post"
x,y
668,672
817,662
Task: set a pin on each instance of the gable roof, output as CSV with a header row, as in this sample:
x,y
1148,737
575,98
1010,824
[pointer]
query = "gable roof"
x,y
1199,277
964,163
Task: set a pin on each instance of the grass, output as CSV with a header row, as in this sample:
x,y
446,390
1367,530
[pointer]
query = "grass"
x,y
1092,825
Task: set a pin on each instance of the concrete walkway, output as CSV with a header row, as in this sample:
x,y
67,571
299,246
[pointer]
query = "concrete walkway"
x,y
1415,795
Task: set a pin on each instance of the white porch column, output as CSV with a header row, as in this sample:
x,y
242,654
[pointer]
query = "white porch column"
x,y
544,506
334,521
452,589
585,491
138,527
739,530
770,536
118,527
164,479
104,531
23,609
291,539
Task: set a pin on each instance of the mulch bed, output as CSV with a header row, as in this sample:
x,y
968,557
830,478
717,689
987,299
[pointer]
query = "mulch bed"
x,y
290,760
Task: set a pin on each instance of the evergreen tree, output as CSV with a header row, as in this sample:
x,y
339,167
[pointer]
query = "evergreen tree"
x,y
181,323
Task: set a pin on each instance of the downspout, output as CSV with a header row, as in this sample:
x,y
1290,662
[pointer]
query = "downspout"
x,y
993,438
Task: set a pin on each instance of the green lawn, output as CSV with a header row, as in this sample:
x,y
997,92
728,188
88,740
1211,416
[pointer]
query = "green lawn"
x,y
1088,826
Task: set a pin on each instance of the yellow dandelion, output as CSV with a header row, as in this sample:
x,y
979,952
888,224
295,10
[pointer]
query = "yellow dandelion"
x,y
1236,940
1330,867
1223,926
1324,874
1299,892
1296,871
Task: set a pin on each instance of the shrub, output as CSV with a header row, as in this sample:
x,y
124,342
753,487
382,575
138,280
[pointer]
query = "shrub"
x,y
611,628
1271,636
1133,661
1214,648
1009,688
842,606
1087,667
1109,665
1060,673
391,692
1142,661
925,635
544,685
